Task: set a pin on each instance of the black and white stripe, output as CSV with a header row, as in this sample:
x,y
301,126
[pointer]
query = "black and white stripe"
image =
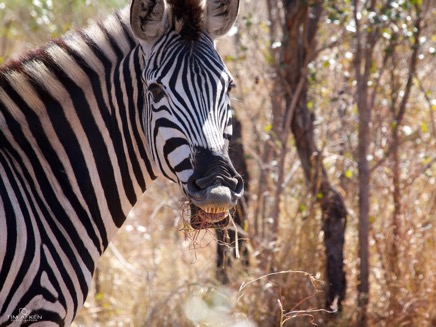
x,y
69,117
194,77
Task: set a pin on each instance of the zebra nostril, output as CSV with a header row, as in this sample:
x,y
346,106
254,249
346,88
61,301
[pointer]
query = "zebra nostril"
x,y
239,187
193,187
213,169
203,183
235,184
231,183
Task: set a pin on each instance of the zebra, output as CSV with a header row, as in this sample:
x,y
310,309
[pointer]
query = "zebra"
x,y
87,122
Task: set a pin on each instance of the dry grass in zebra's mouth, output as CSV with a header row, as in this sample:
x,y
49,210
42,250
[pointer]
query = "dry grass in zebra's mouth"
x,y
197,220
200,219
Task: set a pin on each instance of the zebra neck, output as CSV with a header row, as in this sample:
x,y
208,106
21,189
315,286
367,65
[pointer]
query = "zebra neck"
x,y
71,126
72,163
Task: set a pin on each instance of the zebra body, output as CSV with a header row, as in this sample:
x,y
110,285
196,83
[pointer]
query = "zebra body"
x,y
87,122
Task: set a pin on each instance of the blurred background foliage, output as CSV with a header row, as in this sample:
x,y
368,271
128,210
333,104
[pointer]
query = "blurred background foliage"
x,y
27,23
155,273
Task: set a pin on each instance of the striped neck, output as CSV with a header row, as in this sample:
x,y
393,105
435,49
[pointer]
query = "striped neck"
x,y
74,109
73,157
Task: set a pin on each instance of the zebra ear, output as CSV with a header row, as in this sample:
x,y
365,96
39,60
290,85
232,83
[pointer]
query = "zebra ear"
x,y
220,16
148,19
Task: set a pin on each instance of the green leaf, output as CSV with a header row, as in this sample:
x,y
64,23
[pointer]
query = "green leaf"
x,y
310,105
229,58
427,160
416,2
374,67
333,17
424,127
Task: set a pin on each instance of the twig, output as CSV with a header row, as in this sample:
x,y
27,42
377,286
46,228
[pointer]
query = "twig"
x,y
236,239
244,285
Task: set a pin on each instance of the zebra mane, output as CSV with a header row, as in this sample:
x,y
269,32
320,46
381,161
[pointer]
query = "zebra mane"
x,y
188,17
16,64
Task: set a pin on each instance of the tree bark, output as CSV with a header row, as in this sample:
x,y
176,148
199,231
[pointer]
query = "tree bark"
x,y
298,50
362,65
334,212
226,247
363,234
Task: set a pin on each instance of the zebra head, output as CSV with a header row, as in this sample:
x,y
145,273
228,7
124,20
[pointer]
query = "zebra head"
x,y
187,115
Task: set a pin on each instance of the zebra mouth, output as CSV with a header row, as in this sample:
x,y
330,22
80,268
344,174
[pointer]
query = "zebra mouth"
x,y
216,219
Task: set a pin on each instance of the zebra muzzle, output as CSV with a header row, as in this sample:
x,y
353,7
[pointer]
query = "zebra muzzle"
x,y
213,189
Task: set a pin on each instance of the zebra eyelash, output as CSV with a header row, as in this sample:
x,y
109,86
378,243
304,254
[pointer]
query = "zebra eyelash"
x,y
231,86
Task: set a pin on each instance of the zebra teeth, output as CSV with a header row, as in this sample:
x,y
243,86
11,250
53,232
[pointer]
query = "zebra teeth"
x,y
217,218
212,217
215,210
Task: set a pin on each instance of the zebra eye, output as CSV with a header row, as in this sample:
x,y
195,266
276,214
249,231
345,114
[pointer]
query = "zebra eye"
x,y
231,86
156,91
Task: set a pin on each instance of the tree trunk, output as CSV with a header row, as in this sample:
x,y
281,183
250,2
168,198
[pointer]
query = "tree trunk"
x,y
365,42
298,50
334,212
226,246
363,168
